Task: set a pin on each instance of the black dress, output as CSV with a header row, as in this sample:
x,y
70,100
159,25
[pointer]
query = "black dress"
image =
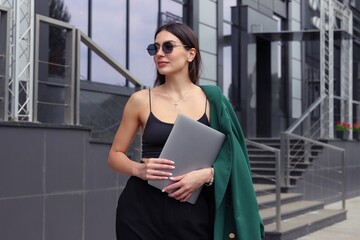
x,y
146,213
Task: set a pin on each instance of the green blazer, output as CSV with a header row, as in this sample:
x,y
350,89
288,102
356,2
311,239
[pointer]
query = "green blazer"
x,y
236,209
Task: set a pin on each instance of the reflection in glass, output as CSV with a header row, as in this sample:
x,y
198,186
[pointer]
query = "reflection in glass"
x,y
227,15
143,23
109,32
172,7
227,72
78,11
57,38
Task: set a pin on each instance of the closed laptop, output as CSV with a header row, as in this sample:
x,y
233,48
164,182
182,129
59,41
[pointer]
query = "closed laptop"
x,y
192,146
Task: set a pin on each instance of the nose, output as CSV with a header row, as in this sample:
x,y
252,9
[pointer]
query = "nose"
x,y
160,51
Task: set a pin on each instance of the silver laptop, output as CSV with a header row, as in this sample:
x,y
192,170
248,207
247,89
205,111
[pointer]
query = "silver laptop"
x,y
191,145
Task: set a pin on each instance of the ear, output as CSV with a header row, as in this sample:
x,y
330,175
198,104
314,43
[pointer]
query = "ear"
x,y
191,54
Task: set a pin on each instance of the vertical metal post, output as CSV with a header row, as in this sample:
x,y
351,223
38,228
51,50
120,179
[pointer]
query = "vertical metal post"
x,y
324,66
77,74
344,178
283,159
159,22
89,53
4,62
288,160
127,41
331,21
36,68
24,54
278,190
69,111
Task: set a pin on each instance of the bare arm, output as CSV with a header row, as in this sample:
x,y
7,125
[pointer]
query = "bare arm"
x,y
131,122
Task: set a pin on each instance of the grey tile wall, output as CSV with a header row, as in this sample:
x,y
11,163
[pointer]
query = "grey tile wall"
x,y
21,163
64,217
55,184
21,218
100,214
98,174
64,160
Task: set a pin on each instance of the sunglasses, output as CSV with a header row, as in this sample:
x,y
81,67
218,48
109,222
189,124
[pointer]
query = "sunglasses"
x,y
167,47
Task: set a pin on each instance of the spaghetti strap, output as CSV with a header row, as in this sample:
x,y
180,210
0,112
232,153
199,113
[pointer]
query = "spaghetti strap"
x,y
206,104
150,99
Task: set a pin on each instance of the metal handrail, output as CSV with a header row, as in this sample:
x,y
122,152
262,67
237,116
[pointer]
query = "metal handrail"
x,y
76,38
329,146
277,179
108,59
305,114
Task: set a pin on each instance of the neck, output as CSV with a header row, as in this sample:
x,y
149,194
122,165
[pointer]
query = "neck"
x,y
179,85
177,91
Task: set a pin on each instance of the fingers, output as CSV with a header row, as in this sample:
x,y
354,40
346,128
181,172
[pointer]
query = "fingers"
x,y
181,195
158,168
157,174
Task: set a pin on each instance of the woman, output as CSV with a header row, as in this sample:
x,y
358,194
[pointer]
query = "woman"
x,y
145,212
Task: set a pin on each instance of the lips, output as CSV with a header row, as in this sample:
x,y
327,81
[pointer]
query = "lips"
x,y
162,64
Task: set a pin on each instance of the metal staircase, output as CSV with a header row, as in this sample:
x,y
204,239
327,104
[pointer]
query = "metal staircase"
x,y
287,215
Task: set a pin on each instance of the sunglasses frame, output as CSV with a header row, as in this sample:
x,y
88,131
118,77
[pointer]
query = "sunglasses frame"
x,y
167,47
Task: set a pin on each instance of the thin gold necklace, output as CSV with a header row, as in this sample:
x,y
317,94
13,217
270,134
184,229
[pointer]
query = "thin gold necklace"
x,y
175,103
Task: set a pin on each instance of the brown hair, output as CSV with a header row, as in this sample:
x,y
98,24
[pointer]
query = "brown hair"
x,y
188,38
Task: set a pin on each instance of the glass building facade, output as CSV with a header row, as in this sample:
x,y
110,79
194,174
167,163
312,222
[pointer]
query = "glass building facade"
x,y
269,82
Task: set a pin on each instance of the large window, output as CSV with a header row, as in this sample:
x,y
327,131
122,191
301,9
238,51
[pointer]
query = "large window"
x,y
143,23
109,32
78,11
227,49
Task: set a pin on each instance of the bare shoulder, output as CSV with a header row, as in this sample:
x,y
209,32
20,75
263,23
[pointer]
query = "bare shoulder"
x,y
139,98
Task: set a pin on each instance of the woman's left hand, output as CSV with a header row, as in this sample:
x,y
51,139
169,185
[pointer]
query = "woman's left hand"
x,y
186,184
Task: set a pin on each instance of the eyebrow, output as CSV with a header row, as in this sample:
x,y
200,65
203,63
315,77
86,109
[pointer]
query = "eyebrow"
x,y
171,41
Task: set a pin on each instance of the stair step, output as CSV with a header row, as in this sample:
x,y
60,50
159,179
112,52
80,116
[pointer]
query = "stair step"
x,y
270,179
304,224
254,156
269,200
290,210
271,171
262,189
271,164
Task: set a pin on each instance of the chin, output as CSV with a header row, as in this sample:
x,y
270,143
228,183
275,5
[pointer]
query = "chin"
x,y
164,72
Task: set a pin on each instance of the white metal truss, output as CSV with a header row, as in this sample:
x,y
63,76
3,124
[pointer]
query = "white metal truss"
x,y
346,109
330,12
21,59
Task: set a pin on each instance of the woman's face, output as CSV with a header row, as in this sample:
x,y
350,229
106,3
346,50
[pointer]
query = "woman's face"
x,y
175,62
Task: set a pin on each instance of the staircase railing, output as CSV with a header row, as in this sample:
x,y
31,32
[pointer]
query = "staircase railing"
x,y
67,87
327,177
276,180
307,126
300,146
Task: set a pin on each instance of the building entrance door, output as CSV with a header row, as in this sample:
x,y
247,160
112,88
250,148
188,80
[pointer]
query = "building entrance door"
x,y
263,88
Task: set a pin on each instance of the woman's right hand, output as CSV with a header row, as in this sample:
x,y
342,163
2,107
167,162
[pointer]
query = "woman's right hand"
x,y
155,169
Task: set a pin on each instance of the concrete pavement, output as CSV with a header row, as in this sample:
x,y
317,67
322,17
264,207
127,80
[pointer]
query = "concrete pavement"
x,y
345,230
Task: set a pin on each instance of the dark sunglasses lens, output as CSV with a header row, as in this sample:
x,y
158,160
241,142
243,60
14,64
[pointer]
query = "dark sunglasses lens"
x,y
152,49
167,47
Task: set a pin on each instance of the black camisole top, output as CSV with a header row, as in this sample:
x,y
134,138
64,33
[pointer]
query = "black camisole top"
x,y
156,133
